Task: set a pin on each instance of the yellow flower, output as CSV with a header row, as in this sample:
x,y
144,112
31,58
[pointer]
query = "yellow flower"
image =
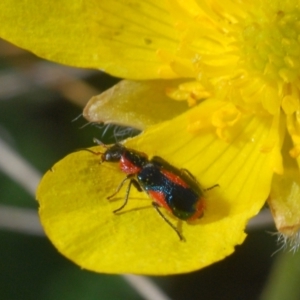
x,y
224,105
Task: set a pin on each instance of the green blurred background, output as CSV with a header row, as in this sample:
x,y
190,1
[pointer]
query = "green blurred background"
x,y
41,122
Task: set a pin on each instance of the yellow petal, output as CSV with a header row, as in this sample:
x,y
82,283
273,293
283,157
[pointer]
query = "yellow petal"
x,y
119,37
285,202
284,199
293,127
135,104
78,218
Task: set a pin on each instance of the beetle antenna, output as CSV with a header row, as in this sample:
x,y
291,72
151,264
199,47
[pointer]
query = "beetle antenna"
x,y
98,142
89,150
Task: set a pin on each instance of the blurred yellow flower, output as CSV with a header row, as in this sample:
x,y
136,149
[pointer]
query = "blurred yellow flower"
x,y
218,95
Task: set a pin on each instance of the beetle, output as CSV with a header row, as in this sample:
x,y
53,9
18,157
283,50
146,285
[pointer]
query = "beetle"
x,y
176,190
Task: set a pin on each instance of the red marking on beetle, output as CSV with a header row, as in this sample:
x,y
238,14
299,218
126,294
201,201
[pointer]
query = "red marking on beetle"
x,y
199,210
174,178
128,167
159,198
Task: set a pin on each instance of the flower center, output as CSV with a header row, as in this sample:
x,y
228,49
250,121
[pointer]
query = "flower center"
x,y
244,52
270,45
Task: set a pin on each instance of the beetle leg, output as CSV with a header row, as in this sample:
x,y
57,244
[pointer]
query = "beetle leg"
x,y
129,177
132,181
193,177
156,206
189,174
212,187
